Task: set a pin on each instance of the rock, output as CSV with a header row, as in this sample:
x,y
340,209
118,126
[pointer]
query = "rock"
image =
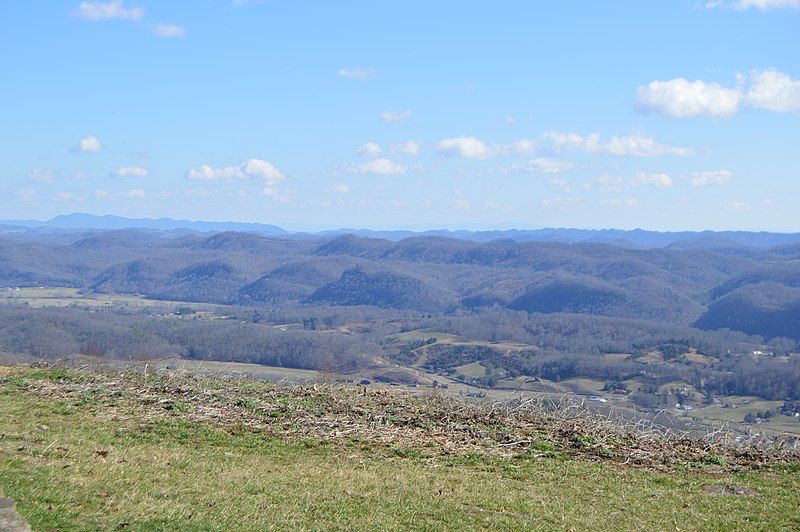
x,y
10,520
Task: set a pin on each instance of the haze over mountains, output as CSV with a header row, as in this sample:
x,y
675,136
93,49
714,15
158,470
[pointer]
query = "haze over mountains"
x,y
633,238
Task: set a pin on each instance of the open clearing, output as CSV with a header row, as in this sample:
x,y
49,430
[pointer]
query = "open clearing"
x,y
39,297
89,451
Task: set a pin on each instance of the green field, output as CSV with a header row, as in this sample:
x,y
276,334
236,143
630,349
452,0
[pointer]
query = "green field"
x,y
39,297
98,456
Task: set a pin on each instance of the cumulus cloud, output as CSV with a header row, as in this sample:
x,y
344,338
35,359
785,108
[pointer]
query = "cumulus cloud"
x,y
616,202
542,165
640,146
27,194
473,148
520,147
41,176
250,169
739,206
630,146
563,201
263,170
658,180
612,183
134,193
89,144
338,189
168,30
468,147
196,193
131,171
409,147
679,98
380,166
80,176
774,91
712,177
395,117
115,9
67,196
761,5
356,73
101,194
369,149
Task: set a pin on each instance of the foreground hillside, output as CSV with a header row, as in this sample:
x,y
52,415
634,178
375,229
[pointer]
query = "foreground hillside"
x,y
89,450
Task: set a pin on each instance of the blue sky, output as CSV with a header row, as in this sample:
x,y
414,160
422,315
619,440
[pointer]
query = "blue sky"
x,y
671,114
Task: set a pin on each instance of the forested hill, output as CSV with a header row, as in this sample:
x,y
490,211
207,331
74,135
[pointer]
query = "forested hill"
x,y
755,290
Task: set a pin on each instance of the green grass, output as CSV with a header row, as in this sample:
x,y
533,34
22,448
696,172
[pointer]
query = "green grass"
x,y
86,466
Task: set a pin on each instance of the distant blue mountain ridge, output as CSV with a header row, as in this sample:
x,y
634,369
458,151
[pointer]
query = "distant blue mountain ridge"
x,y
620,237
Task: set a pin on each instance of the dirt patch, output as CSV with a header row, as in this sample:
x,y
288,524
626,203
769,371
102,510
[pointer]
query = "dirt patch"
x,y
728,489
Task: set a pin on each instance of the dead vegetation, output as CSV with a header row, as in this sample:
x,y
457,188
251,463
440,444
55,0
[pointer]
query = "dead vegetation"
x,y
402,423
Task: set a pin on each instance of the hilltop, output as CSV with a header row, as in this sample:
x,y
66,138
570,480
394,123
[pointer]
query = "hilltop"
x,y
108,450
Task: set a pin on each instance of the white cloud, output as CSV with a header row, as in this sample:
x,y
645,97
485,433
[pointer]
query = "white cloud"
x,y
630,146
739,206
101,194
89,144
762,89
658,180
542,165
680,98
67,196
131,171
41,176
761,5
135,193
615,202
468,147
395,117
276,195
80,176
409,147
461,204
169,30
338,189
559,140
252,168
356,73
196,193
260,168
712,177
520,147
115,9
774,91
563,201
381,166
639,146
27,194
612,183
369,149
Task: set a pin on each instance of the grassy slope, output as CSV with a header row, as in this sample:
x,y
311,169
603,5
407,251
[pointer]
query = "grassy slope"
x,y
75,464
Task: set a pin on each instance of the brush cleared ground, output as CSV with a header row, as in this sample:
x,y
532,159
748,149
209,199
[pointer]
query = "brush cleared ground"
x,y
81,450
